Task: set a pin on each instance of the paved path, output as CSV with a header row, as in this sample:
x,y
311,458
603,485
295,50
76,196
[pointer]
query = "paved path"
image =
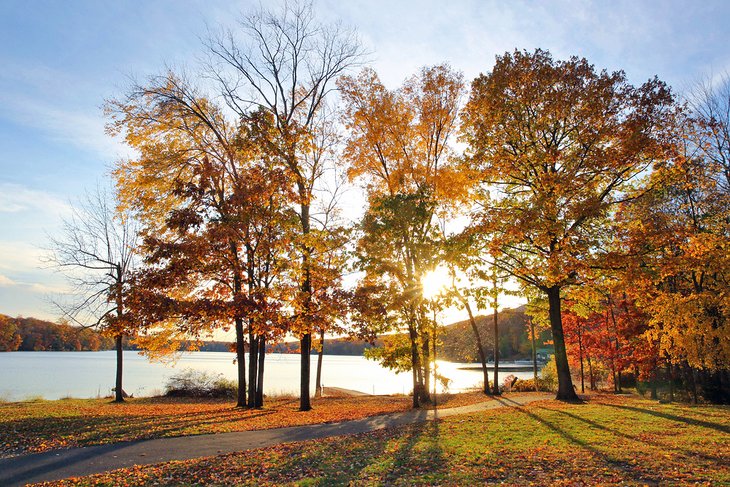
x,y
59,464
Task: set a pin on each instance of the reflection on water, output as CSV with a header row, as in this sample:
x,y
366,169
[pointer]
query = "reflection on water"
x,y
53,375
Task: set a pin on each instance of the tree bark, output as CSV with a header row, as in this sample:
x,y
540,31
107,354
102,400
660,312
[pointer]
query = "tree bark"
x,y
259,402
305,403
566,392
241,362
253,359
416,366
495,386
426,360
318,383
118,391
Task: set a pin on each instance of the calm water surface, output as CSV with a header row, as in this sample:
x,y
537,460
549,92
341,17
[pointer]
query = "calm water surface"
x,y
53,375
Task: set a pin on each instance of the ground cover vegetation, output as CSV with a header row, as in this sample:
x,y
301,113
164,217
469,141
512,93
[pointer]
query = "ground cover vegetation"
x,y
36,426
608,202
609,440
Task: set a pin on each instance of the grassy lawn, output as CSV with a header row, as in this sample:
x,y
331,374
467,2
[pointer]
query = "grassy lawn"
x,y
609,440
36,426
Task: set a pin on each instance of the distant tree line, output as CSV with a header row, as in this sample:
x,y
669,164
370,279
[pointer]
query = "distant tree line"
x,y
31,334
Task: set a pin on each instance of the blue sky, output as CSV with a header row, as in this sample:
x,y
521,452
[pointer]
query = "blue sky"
x,y
61,59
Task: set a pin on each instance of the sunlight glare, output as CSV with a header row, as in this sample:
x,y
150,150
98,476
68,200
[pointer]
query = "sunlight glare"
x,y
435,282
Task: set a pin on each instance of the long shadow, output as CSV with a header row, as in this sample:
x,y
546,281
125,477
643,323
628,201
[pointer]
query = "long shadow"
x,y
691,421
429,432
635,438
618,465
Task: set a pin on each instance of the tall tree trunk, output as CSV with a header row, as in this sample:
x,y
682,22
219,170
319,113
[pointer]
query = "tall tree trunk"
x,y
426,359
118,391
580,353
259,403
318,384
253,360
480,347
565,382
616,345
305,403
534,356
305,343
495,386
435,379
416,366
591,377
241,362
671,382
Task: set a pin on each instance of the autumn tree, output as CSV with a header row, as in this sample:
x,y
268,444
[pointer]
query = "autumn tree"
x,y
217,220
557,146
96,253
673,246
398,146
285,64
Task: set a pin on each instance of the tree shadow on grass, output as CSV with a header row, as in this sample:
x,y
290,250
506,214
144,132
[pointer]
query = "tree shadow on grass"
x,y
624,468
380,457
636,438
691,421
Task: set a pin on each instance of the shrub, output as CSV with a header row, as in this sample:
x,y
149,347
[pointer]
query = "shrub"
x,y
197,383
529,385
549,376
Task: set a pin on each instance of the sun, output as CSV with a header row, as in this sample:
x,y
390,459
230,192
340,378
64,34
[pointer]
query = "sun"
x,y
435,282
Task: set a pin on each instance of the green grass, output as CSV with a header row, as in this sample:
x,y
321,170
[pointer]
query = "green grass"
x,y
610,440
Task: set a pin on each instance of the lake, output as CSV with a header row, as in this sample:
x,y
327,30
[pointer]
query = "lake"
x,y
53,375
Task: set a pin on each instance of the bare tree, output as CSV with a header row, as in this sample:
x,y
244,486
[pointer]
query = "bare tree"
x,y
95,251
285,66
710,104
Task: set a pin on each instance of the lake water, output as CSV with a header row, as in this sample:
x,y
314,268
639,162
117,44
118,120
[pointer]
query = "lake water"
x,y
53,375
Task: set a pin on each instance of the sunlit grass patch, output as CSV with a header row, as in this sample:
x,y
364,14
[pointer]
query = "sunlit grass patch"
x,y
606,441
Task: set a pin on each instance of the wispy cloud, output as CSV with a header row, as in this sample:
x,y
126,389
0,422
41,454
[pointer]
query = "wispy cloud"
x,y
16,198
6,281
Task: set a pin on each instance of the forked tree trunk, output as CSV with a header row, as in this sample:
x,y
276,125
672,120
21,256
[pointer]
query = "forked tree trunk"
x,y
565,383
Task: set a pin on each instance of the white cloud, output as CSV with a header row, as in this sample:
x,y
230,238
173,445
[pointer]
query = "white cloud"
x,y
15,198
83,127
6,281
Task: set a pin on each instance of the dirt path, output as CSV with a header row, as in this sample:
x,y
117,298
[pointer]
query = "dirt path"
x,y
59,464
